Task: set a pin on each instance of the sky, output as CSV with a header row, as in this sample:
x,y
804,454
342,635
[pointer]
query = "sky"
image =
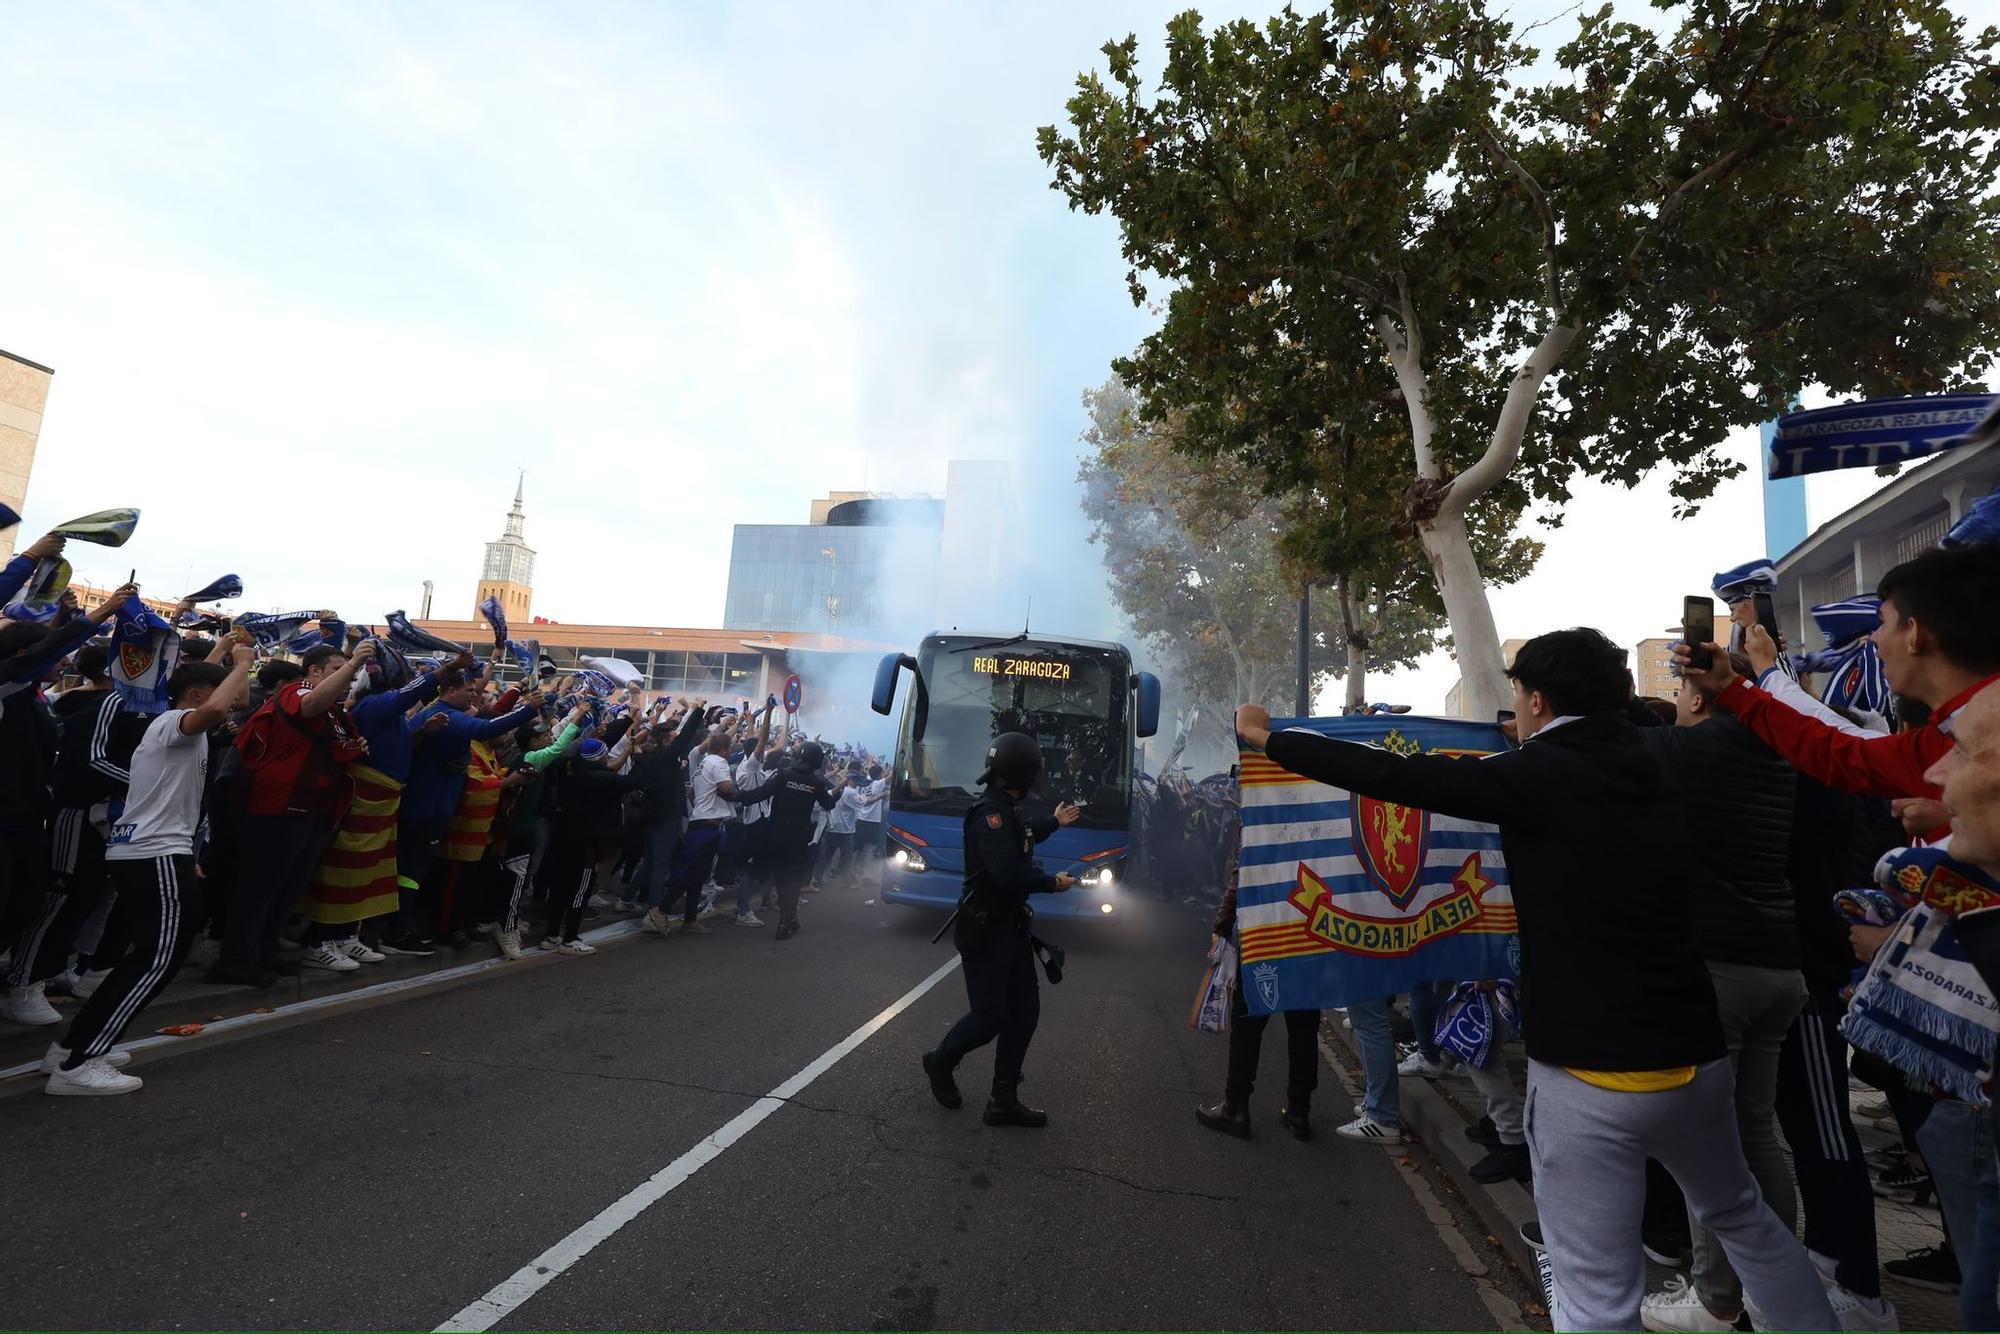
x,y
317,279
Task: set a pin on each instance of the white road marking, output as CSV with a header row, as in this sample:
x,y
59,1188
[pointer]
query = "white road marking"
x,y
541,1271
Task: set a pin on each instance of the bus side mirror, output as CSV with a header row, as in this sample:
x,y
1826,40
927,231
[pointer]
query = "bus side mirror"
x,y
1149,703
884,697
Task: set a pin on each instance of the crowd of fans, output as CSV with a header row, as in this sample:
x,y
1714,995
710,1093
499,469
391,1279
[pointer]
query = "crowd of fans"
x,y
259,795
1731,904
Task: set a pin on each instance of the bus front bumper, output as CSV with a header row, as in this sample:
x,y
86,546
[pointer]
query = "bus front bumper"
x,y
941,891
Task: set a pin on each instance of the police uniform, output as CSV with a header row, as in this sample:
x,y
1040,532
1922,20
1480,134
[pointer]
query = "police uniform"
x,y
794,792
992,935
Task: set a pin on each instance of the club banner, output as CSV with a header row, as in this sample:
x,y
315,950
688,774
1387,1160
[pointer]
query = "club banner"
x,y
1880,430
1343,898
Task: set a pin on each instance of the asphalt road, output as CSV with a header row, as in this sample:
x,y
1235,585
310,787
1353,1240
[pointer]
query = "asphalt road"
x,y
386,1167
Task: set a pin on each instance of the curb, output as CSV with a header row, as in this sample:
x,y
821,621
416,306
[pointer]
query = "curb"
x,y
158,1046
1439,1123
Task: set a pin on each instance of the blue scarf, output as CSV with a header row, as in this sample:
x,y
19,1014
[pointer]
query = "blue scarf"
x,y
410,639
1752,576
389,669
525,654
144,652
490,609
1978,527
1923,1006
1472,1024
221,590
9,518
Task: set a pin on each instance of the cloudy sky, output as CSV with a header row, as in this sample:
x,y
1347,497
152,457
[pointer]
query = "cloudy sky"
x,y
317,279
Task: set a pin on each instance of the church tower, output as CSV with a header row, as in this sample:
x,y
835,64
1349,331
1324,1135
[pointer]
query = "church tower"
x,y
509,572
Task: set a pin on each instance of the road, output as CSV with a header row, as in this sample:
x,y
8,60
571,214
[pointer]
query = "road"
x,y
392,1167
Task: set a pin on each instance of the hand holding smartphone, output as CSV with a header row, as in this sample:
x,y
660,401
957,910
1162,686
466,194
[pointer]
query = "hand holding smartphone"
x,y
1697,629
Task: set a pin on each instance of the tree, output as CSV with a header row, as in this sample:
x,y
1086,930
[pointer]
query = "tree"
x,y
1673,236
1194,554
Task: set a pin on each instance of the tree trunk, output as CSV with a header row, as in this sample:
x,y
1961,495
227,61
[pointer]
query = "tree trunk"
x,y
1357,651
1443,535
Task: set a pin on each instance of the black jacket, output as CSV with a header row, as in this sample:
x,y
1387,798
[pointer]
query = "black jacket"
x,y
661,774
1836,839
1592,829
794,792
1739,798
95,740
1000,870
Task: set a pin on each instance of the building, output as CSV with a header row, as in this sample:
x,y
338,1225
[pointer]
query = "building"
x,y
509,570
24,394
1454,699
1848,555
838,574
1653,668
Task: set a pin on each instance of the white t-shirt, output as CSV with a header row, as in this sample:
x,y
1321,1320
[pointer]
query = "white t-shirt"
x,y
840,820
163,804
872,814
710,804
750,776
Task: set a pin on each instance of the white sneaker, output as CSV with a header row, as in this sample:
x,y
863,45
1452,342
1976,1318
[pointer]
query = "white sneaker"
x,y
62,984
748,919
510,943
575,947
488,929
324,955
205,952
1676,1307
1850,1308
1373,1132
90,979
656,922
26,1004
626,905
600,901
360,953
1415,1064
53,1058
92,1079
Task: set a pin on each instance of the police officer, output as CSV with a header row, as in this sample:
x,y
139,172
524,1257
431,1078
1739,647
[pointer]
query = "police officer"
x,y
992,931
793,791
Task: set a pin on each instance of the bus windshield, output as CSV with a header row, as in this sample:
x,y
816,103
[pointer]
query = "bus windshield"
x,y
1070,698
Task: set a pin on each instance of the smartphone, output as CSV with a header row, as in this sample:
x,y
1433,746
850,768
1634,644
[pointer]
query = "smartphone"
x,y
1767,614
1698,628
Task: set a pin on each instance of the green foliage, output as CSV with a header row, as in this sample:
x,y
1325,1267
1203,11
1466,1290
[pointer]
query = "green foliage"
x,y
1760,198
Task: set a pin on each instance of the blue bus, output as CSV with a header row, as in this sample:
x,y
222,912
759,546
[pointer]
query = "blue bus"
x,y
1079,698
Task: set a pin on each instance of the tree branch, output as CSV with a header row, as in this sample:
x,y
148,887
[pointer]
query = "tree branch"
x,y
1503,447
1715,170
1507,161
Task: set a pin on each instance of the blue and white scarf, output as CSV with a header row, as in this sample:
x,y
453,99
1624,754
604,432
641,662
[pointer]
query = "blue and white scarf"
x,y
144,652
496,618
413,640
1752,576
526,654
1978,527
1472,1024
1850,661
1923,1006
229,586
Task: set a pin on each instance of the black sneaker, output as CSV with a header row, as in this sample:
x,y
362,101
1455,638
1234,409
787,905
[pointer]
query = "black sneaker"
x,y
1297,1124
1932,1267
1509,1162
1004,1109
1904,1182
407,943
943,1087
1484,1133
1229,1119
1531,1232
786,930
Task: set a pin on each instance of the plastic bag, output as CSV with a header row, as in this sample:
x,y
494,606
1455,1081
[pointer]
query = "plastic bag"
x,y
1215,1001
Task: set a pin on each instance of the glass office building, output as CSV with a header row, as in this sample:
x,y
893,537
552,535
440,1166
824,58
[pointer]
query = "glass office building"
x,y
837,577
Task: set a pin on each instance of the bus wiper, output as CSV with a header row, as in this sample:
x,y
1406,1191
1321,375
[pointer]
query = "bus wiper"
x,y
994,643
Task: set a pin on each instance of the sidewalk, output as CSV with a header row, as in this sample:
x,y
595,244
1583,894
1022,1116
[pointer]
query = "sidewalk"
x,y
1437,1111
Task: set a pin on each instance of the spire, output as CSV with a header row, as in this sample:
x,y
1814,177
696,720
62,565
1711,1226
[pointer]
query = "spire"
x,y
514,517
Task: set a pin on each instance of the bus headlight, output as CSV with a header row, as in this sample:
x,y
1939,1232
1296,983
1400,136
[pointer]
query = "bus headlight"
x,y
905,859
1105,878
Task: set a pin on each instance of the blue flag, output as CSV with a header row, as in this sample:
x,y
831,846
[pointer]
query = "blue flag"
x,y
1343,898
1878,430
144,652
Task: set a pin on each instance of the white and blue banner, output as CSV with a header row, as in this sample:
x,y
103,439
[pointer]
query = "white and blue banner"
x,y
1880,430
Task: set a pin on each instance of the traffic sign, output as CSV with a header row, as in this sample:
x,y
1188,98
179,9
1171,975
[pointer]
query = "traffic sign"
x,y
795,693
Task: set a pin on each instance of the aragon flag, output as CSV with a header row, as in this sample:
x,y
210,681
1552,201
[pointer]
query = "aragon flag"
x,y
1343,898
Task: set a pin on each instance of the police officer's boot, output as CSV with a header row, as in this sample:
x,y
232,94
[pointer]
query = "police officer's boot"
x,y
1229,1116
943,1087
1295,1116
1005,1109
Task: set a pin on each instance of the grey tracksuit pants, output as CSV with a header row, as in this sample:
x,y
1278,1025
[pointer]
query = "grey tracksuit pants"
x,y
1589,1148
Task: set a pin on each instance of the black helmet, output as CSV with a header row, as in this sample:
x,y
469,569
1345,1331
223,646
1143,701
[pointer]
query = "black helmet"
x,y
811,756
1013,761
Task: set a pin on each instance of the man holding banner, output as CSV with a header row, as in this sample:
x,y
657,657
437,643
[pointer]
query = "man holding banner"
x,y
1626,1058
